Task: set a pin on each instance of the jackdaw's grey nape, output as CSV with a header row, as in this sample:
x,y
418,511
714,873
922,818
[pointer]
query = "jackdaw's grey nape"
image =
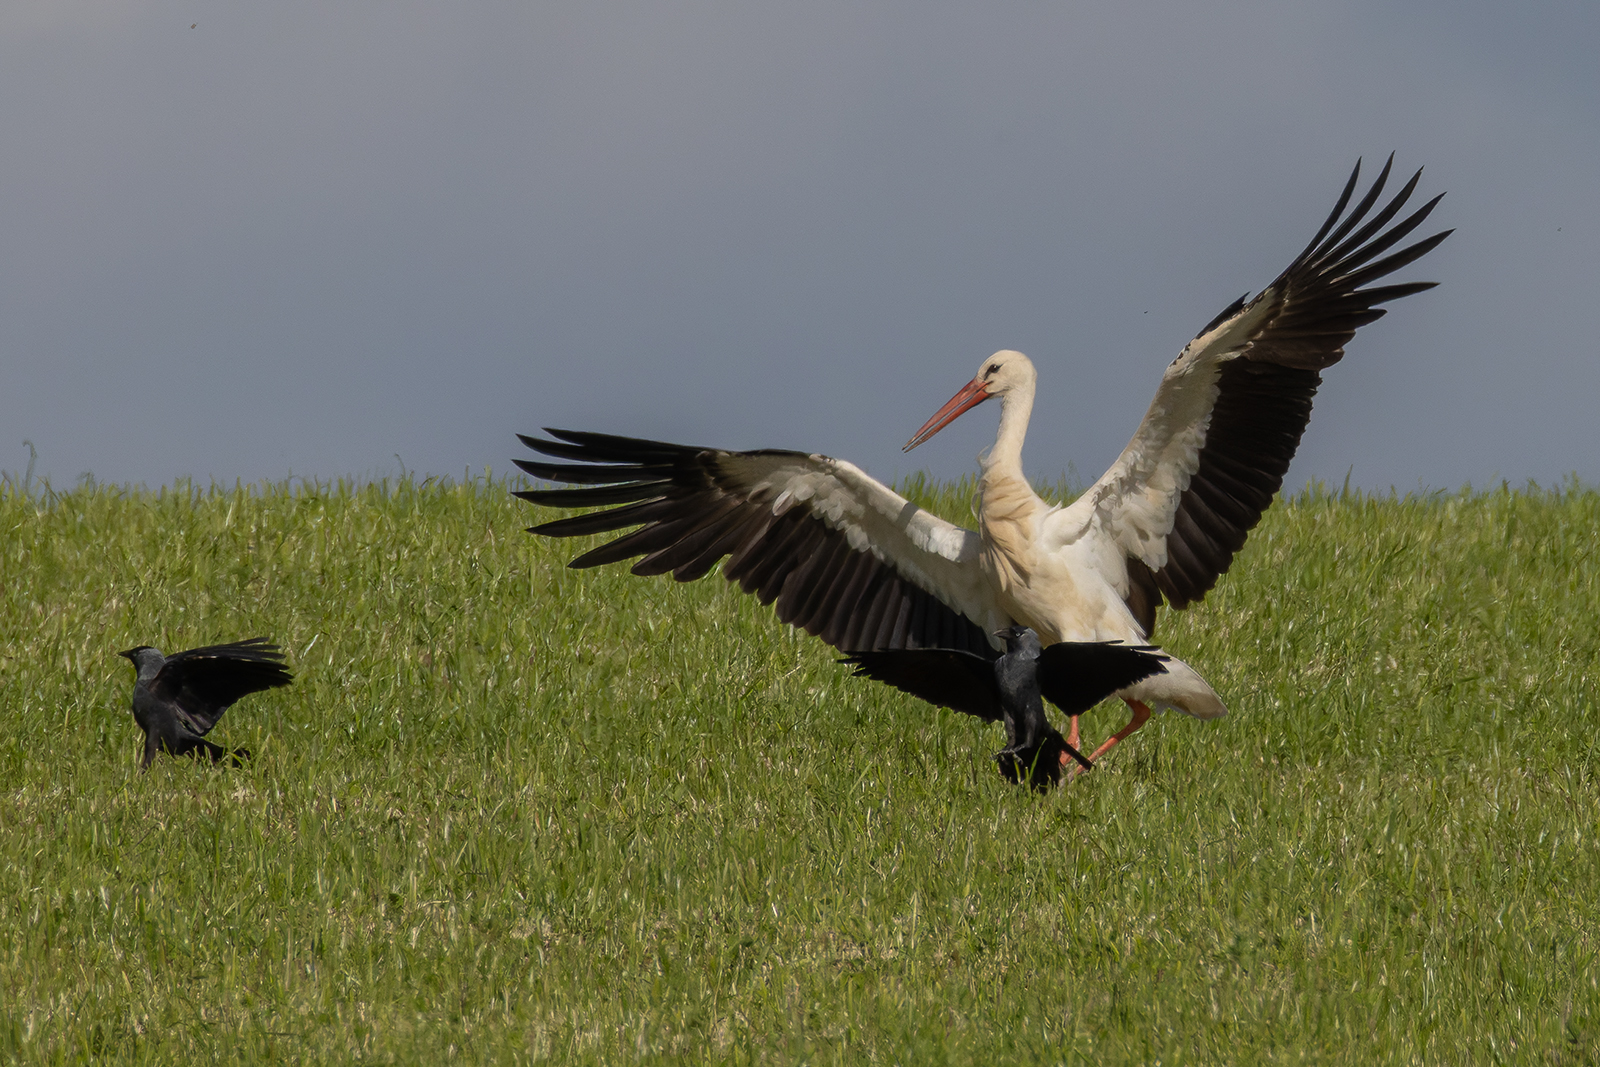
x,y
177,699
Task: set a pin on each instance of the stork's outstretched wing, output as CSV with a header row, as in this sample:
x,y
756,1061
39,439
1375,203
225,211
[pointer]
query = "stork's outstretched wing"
x,y
843,556
1213,449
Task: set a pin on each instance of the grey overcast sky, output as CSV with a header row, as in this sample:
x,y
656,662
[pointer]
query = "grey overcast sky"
x,y
254,240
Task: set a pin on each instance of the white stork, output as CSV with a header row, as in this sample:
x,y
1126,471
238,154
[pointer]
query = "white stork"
x,y
851,561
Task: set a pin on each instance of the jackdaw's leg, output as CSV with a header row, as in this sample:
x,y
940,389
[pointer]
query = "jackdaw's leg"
x,y
197,747
1028,730
1043,765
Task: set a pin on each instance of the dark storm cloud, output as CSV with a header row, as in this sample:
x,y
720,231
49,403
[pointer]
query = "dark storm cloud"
x,y
304,238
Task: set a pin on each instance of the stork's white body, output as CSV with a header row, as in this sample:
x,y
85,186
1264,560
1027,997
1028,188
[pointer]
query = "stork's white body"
x,y
1060,570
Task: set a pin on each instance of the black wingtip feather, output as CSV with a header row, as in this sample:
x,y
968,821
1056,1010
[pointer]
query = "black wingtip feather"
x,y
1333,216
1378,221
1394,292
1392,263
1357,213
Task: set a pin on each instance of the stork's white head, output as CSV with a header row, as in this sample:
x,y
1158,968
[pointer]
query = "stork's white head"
x,y
1002,373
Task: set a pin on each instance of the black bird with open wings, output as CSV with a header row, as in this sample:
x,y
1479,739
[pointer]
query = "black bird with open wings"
x,y
1072,675
177,699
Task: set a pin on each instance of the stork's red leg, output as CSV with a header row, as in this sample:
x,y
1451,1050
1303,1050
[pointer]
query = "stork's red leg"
x,y
1141,715
1072,740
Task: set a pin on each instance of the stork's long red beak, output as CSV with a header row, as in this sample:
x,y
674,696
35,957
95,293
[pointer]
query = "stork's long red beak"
x,y
971,395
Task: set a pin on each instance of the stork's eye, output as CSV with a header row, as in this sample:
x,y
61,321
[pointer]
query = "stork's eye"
x,y
992,368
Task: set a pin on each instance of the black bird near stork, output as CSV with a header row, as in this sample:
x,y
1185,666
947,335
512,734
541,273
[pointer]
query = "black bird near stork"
x,y
177,699
1072,675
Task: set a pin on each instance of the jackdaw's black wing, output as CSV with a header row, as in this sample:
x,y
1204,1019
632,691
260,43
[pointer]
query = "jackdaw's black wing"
x,y
960,681
202,683
1077,675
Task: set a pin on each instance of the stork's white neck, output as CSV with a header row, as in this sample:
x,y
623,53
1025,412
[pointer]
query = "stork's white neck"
x,y
1016,406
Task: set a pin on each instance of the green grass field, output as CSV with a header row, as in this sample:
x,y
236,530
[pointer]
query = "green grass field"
x,y
515,813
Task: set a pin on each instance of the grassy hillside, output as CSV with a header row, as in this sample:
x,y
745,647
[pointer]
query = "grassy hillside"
x,y
515,813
